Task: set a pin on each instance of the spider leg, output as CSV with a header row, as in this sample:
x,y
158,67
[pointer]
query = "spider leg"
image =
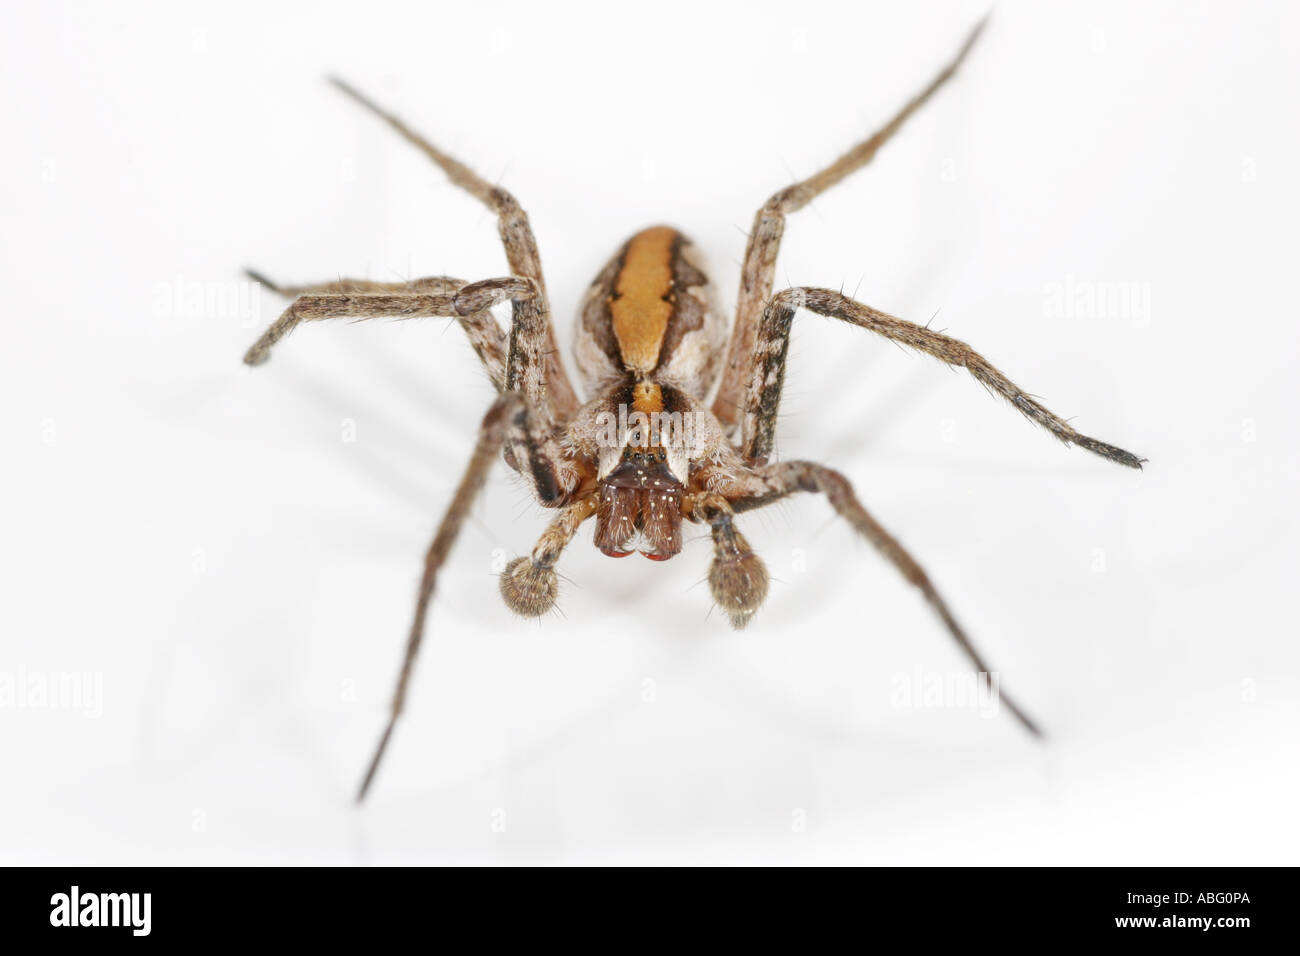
x,y
529,584
550,390
757,273
507,421
430,284
532,451
767,369
773,482
457,301
482,330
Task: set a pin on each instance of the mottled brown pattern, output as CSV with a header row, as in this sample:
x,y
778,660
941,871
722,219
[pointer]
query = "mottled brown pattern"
x,y
642,306
767,369
507,411
649,341
759,269
595,345
484,334
693,309
549,388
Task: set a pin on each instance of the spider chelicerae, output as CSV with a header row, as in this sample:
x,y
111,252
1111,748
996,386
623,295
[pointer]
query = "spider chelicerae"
x,y
647,449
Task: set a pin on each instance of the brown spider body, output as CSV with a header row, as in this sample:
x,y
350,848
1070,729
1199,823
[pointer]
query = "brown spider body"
x,y
680,416
648,345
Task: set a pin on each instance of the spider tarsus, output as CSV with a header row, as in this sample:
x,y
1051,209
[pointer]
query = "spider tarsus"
x,y
257,355
263,280
1117,455
375,760
336,81
349,90
529,589
1034,730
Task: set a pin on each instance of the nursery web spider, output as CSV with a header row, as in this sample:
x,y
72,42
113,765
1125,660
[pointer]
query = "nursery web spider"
x,y
647,450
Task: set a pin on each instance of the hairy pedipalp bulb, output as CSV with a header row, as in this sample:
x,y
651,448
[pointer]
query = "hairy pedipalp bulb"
x,y
737,577
529,589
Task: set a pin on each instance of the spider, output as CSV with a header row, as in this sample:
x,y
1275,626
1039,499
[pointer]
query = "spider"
x,y
647,449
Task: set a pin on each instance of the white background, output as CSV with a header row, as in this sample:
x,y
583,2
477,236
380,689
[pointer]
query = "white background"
x,y
237,576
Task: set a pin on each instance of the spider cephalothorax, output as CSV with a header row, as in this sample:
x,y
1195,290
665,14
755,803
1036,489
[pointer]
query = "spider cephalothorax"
x,y
649,344
680,418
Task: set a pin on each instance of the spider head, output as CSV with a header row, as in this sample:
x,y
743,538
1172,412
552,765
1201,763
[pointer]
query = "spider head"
x,y
640,506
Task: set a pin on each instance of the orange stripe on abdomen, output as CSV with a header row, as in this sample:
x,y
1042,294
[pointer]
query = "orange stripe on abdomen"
x,y
642,304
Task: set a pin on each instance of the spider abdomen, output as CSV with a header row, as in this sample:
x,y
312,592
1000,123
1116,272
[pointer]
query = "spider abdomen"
x,y
651,314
